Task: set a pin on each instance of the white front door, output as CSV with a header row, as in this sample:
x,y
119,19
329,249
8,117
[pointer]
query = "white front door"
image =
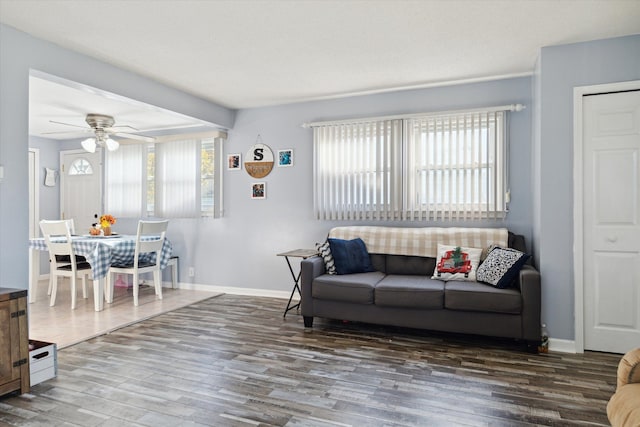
x,y
81,188
611,215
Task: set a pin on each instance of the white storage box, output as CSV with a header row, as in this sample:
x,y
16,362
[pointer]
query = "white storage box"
x,y
43,361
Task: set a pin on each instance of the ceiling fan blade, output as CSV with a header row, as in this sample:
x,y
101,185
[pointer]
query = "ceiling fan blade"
x,y
67,124
142,138
123,126
67,131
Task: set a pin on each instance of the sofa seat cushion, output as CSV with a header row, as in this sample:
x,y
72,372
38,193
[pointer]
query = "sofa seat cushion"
x,y
474,296
410,291
357,287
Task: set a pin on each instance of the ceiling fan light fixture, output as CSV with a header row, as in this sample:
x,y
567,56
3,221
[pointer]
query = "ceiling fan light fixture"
x,y
112,145
89,145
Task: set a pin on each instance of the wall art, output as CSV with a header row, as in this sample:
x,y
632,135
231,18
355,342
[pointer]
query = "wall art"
x,y
259,190
285,157
258,160
234,162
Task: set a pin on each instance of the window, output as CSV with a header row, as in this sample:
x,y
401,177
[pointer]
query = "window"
x,y
175,177
80,166
419,167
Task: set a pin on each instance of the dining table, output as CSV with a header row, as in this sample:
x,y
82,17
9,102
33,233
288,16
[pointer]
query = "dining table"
x,y
101,252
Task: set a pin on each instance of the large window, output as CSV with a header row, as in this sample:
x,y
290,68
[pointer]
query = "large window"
x,y
175,177
419,167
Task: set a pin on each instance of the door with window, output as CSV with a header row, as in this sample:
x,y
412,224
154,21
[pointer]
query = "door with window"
x,y
611,212
81,188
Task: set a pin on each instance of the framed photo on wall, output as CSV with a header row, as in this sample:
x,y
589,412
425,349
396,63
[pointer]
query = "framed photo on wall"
x,y
259,190
285,157
234,162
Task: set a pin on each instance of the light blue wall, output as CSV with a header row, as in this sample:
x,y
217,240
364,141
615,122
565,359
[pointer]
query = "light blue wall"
x,y
19,53
560,69
240,249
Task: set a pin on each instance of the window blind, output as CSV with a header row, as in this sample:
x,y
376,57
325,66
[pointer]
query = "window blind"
x,y
357,171
125,173
456,167
444,166
177,186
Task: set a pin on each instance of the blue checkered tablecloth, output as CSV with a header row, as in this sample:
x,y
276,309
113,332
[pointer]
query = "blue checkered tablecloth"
x,y
102,252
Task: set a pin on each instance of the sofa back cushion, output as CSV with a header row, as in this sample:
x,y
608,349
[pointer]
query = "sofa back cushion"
x,y
410,265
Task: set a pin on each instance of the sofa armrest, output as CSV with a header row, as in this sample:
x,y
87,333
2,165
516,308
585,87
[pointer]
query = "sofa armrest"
x,y
310,268
529,284
629,368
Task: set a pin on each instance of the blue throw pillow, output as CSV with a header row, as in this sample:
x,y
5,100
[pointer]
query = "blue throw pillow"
x,y
350,256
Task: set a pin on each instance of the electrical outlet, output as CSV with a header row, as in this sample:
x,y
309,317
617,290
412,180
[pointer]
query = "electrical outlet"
x,y
192,272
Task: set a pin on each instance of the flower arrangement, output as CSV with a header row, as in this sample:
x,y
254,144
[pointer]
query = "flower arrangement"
x,y
107,220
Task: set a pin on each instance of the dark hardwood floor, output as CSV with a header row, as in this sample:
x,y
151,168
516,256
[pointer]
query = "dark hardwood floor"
x,y
233,361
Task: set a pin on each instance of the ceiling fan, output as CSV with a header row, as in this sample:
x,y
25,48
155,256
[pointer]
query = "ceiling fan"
x,y
103,127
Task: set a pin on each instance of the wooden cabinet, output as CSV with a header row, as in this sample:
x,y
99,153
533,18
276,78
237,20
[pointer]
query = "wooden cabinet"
x,y
14,341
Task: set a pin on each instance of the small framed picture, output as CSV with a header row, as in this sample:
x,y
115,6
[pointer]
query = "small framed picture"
x,y
234,162
285,157
259,190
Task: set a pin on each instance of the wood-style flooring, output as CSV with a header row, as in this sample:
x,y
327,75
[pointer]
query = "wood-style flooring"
x,y
234,361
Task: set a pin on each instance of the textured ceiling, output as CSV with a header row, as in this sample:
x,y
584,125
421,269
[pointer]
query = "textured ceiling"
x,y
251,53
264,52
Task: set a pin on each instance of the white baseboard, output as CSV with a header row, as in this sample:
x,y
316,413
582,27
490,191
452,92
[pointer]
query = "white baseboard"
x,y
234,290
562,346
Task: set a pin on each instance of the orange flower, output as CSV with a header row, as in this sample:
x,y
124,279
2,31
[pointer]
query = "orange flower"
x,y
107,220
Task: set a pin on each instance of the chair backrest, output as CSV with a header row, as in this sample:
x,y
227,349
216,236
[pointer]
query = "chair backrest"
x,y
147,229
57,235
72,225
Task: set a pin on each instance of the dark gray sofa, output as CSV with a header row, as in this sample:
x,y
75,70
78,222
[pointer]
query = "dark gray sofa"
x,y
401,293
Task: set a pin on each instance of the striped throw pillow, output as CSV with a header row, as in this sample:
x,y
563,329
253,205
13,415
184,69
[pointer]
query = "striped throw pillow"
x,y
325,252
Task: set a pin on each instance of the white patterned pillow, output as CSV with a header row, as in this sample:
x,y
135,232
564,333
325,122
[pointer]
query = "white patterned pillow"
x,y
325,252
501,266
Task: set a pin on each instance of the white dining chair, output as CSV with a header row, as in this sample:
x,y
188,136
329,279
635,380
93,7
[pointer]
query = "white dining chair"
x,y
63,249
149,239
64,259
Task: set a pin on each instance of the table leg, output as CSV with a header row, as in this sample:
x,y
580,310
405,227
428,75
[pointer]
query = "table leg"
x,y
98,294
296,279
34,273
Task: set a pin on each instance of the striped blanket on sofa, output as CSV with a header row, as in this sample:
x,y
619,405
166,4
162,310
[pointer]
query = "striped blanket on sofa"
x,y
422,241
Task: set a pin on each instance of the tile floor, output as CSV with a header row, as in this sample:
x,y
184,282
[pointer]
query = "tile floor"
x,y
65,327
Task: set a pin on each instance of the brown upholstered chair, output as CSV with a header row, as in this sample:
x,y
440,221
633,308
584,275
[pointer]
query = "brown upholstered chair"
x,y
623,409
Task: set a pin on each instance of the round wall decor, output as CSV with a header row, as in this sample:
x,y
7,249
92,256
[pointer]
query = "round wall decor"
x,y
258,161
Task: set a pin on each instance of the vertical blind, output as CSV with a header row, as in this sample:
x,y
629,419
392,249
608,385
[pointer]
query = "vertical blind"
x,y
177,179
456,167
421,167
125,181
356,171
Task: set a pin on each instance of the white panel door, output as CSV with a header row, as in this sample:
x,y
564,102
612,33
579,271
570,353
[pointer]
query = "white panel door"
x,y
611,131
81,195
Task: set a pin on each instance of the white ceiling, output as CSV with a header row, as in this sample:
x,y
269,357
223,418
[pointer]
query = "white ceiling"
x,y
252,53
67,102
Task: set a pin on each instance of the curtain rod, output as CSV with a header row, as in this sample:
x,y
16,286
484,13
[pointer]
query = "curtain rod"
x,y
510,107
